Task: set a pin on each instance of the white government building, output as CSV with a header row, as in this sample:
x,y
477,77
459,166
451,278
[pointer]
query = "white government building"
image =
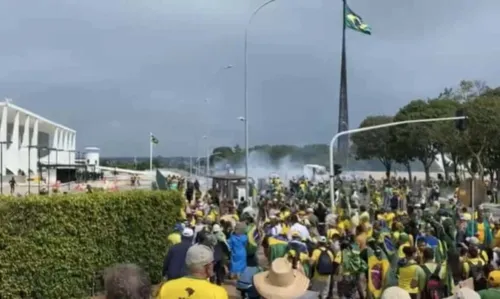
x,y
24,135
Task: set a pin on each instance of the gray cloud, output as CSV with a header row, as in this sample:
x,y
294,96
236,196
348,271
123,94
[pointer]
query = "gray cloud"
x,y
115,70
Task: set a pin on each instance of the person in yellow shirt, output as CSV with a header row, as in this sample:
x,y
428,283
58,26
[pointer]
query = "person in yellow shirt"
x,y
199,261
320,282
365,221
332,230
410,274
404,241
212,214
344,225
473,261
466,215
389,218
497,235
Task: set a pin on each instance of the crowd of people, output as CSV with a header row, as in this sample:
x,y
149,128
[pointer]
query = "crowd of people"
x,y
302,248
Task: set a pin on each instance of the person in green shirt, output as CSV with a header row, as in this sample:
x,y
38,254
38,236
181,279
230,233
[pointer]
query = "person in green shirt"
x,y
493,292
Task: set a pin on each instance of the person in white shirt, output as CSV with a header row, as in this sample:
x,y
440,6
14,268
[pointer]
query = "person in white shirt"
x,y
296,226
275,226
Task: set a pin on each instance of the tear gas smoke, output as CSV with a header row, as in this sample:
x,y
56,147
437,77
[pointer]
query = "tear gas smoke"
x,y
260,165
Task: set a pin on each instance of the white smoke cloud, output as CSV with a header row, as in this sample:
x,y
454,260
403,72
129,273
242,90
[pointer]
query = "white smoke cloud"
x,y
260,165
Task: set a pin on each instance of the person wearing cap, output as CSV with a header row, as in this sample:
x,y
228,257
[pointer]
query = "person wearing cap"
x,y
493,292
465,293
297,253
282,282
175,236
173,264
196,285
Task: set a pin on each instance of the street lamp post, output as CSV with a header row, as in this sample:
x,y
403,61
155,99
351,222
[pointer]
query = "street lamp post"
x,y
30,146
245,91
69,168
2,143
49,149
359,130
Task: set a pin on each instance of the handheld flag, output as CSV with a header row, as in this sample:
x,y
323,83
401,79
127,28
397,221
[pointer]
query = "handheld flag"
x,y
355,22
378,268
154,140
161,182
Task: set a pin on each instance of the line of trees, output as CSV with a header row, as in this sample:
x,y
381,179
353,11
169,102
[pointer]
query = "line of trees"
x,y
477,148
402,148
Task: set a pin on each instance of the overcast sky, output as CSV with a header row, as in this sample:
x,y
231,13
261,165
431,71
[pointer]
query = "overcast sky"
x,y
116,70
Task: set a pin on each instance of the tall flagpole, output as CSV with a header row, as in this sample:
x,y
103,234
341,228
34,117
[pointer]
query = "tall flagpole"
x,y
150,152
343,121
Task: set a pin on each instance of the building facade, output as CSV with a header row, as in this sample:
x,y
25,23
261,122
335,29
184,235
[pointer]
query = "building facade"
x,y
26,138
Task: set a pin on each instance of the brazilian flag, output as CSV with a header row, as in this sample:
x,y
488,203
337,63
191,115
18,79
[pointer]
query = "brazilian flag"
x,y
355,22
387,243
254,238
161,182
278,247
378,270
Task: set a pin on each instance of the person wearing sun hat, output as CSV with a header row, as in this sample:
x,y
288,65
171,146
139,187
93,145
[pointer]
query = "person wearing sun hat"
x,y
395,293
465,293
493,292
282,282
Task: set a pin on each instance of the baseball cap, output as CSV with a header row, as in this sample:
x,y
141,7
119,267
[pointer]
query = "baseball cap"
x,y
187,232
179,227
494,278
199,255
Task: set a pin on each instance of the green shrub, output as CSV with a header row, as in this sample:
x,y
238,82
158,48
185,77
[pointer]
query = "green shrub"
x,y
53,246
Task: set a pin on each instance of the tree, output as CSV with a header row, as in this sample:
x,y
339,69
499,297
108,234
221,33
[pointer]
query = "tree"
x,y
483,129
445,136
374,144
416,140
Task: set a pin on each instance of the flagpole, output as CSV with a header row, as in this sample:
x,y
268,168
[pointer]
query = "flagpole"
x,y
343,121
150,152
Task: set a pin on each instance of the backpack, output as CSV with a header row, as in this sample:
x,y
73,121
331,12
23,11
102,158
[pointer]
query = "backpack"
x,y
324,265
478,276
434,288
352,262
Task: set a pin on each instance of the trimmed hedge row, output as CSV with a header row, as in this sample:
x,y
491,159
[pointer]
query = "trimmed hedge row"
x,y
52,247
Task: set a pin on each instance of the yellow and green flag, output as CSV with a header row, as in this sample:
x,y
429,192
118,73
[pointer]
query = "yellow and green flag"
x,y
355,22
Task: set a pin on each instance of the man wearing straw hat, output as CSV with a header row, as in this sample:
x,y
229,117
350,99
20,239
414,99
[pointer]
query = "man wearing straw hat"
x,y
283,282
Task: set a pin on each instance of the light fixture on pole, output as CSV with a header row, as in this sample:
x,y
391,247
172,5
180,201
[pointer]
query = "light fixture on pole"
x,y
245,91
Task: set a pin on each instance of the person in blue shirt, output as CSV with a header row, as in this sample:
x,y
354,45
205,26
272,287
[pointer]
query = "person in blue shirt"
x,y
245,282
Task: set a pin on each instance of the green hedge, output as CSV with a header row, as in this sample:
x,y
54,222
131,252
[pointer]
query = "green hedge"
x,y
56,246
